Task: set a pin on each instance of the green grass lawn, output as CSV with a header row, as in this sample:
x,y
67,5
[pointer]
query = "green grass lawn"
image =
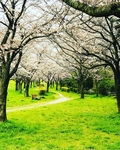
x,y
15,98
89,124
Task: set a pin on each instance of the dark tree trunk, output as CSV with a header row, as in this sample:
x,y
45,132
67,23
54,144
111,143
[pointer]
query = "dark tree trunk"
x,y
96,84
17,85
82,92
56,85
117,85
4,81
79,85
61,84
48,84
53,84
20,86
26,88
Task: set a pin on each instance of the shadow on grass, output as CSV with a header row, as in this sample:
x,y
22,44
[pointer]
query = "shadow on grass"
x,y
12,128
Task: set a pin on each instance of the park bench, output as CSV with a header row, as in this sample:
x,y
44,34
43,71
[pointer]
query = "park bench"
x,y
35,97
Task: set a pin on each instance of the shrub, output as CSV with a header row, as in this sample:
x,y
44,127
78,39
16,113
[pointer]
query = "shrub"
x,y
75,90
106,86
89,83
91,91
42,91
66,89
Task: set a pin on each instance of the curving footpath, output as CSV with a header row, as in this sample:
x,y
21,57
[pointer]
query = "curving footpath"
x,y
60,100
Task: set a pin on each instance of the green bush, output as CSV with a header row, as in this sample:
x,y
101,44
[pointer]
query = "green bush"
x,y
106,87
66,89
42,90
89,83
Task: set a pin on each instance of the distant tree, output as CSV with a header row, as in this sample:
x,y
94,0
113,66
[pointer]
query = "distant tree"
x,y
104,47
49,71
68,42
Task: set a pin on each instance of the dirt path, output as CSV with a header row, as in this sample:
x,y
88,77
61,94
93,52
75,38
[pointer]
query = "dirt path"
x,y
31,106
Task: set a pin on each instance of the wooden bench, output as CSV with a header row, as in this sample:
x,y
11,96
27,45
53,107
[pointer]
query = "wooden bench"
x,y
35,97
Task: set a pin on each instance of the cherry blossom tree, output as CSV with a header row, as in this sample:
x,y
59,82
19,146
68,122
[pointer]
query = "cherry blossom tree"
x,y
101,43
50,71
104,46
94,38
19,26
73,62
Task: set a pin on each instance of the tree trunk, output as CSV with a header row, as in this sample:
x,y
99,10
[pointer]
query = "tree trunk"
x,y
56,85
61,84
38,82
20,86
79,86
31,84
82,92
17,85
53,84
48,84
26,88
4,81
96,90
117,85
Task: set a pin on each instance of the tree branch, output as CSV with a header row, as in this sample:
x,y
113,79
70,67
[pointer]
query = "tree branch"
x,y
100,11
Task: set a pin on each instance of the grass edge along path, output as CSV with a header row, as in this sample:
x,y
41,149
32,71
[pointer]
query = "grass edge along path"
x,y
31,106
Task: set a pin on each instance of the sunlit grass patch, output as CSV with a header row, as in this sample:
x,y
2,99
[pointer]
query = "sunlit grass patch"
x,y
80,124
76,124
15,98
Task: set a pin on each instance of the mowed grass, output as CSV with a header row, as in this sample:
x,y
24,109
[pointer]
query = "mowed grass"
x,y
16,99
89,124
